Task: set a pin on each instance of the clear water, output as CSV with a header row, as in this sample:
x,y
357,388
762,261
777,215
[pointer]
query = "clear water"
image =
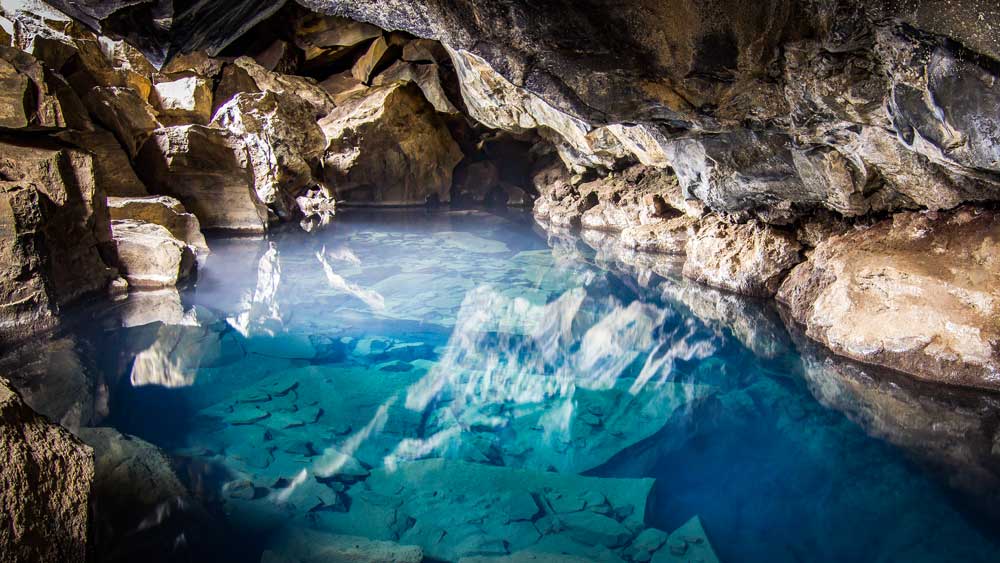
x,y
460,383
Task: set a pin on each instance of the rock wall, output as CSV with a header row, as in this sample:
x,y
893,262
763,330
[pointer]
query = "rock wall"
x,y
46,479
740,135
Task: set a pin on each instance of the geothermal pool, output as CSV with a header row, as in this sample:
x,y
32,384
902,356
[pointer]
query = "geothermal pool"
x,y
457,382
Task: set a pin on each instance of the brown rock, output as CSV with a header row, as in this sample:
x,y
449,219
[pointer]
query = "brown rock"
x,y
749,258
149,256
668,236
917,293
234,80
283,141
377,52
208,170
343,87
126,114
25,99
164,211
46,481
183,101
425,76
389,148
305,88
53,229
112,167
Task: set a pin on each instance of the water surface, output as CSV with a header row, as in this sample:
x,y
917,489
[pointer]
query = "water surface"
x,y
457,382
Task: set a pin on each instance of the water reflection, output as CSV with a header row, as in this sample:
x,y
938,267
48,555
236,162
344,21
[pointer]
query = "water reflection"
x,y
455,385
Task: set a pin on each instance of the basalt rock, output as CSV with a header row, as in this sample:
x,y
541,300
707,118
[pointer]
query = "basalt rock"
x,y
209,171
46,478
53,230
164,211
750,258
149,256
112,167
183,101
389,148
917,293
26,100
283,141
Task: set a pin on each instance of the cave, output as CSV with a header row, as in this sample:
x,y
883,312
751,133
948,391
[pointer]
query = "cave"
x,y
499,281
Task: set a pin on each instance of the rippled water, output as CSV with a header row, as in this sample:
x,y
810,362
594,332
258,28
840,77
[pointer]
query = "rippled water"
x,y
459,383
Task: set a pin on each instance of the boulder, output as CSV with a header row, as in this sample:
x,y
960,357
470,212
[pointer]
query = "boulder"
x,y
208,170
46,480
53,230
233,80
283,141
342,87
123,112
165,211
427,77
365,67
265,80
26,101
149,256
917,293
327,40
669,236
389,148
748,258
112,167
183,101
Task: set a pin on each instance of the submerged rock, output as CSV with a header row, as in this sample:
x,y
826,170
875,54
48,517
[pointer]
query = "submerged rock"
x,y
389,148
750,258
46,480
917,293
208,170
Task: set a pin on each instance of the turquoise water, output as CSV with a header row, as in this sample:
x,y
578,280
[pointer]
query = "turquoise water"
x,y
460,383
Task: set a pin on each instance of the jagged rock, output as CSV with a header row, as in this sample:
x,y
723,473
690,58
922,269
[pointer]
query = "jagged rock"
x,y
496,102
149,256
637,196
669,236
26,101
282,139
749,258
54,229
208,170
343,87
123,112
916,293
183,101
112,167
280,56
164,211
425,76
197,63
305,88
46,483
424,51
365,66
389,148
328,39
234,79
